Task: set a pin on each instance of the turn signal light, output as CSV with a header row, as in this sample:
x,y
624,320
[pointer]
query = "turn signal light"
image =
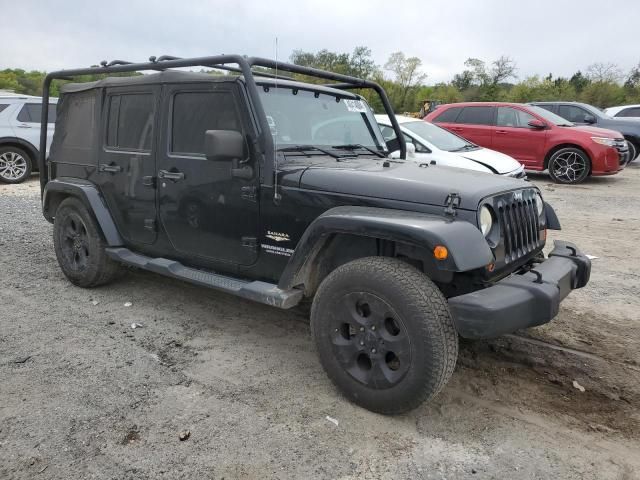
x,y
491,267
440,252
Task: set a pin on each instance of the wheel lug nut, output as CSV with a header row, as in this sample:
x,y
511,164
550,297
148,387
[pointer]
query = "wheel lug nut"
x,y
373,327
361,343
373,350
362,329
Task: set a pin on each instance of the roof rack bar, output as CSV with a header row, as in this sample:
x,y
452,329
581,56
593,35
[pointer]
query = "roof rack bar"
x,y
245,64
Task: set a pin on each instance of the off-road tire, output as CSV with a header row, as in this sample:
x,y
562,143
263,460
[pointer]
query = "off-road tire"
x,y
80,246
15,165
577,162
401,292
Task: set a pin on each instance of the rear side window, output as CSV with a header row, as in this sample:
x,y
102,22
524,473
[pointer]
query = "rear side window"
x,y
627,112
476,116
130,122
31,113
74,136
449,115
546,106
196,112
3,106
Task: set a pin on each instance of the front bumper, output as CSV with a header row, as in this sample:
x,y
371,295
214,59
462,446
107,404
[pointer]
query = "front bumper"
x,y
524,299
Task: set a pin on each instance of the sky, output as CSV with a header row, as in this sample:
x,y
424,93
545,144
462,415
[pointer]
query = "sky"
x,y
542,36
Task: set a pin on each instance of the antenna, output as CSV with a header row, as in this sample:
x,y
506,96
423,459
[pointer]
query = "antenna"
x,y
276,194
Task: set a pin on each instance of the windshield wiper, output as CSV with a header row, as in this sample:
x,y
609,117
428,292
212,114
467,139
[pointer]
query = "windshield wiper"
x,y
465,147
355,146
303,148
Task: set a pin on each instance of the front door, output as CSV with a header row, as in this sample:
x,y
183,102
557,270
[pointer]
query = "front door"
x,y
128,160
514,137
208,208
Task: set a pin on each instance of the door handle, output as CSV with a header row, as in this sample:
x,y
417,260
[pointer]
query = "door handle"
x,y
110,168
24,125
501,132
166,174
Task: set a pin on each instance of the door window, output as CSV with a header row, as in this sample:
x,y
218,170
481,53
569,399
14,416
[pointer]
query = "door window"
x,y
572,113
130,122
513,117
449,115
196,112
476,116
627,112
31,113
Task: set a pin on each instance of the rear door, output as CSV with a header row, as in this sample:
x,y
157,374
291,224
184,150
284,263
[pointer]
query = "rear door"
x,y
208,208
574,113
127,161
475,123
513,136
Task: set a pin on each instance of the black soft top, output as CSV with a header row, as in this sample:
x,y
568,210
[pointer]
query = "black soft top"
x,y
174,76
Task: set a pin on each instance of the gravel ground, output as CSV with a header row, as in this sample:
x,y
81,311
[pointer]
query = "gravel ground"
x,y
83,395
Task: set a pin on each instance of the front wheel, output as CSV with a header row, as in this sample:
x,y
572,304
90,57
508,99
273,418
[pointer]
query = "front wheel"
x,y
384,334
15,165
633,151
569,165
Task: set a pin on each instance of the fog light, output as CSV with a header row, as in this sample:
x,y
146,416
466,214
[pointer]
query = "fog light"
x,y
440,252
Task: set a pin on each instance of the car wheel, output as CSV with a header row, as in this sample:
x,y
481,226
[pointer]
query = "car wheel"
x,y
384,334
569,165
80,247
633,151
15,165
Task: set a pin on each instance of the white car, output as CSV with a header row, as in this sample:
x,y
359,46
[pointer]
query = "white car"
x,y
434,144
624,111
20,135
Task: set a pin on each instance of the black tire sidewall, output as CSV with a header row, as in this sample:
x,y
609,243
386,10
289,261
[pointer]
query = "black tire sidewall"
x,y
95,263
580,152
23,154
426,341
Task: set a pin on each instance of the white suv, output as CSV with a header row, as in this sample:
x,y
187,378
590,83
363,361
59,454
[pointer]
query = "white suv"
x,y
20,135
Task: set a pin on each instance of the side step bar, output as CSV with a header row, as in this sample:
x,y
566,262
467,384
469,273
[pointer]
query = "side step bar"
x,y
262,292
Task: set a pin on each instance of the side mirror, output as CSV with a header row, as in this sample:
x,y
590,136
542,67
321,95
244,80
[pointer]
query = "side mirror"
x,y
590,119
537,124
411,152
223,145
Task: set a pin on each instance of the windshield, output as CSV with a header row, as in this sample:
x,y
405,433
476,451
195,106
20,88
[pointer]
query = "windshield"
x,y
550,116
437,136
302,117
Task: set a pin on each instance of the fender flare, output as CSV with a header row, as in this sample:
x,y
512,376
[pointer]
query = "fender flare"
x,y
551,218
88,193
28,146
468,249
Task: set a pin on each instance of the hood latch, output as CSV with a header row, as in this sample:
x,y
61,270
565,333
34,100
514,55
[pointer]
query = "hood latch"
x,y
451,204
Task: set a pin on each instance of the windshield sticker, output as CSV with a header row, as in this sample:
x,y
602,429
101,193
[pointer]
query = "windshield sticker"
x,y
272,125
355,106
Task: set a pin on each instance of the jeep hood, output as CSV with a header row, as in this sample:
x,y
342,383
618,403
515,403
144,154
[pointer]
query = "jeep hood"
x,y
405,181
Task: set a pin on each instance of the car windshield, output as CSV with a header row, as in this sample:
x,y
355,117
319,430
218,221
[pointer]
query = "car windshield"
x,y
550,116
438,136
302,117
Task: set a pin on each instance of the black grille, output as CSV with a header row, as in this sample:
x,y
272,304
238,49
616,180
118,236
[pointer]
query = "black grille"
x,y
623,150
519,224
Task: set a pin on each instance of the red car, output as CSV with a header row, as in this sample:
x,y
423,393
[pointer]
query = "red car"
x,y
537,138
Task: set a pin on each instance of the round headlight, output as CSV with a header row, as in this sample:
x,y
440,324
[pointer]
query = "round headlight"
x,y
486,220
539,204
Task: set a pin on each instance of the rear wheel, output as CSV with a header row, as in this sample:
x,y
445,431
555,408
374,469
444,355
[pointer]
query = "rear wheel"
x,y
633,151
80,248
384,334
15,165
569,165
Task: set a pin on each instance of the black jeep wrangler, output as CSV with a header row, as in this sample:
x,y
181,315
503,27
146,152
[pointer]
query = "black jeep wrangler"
x,y
280,191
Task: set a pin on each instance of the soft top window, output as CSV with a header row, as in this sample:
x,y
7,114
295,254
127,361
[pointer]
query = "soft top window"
x,y
130,123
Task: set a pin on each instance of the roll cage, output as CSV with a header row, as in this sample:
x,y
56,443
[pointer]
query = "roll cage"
x,y
245,66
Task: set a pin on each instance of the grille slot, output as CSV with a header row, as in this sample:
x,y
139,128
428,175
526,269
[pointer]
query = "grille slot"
x,y
519,224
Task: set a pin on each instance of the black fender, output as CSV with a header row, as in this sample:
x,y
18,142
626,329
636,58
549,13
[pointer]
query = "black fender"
x,y
27,146
552,221
89,194
468,249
